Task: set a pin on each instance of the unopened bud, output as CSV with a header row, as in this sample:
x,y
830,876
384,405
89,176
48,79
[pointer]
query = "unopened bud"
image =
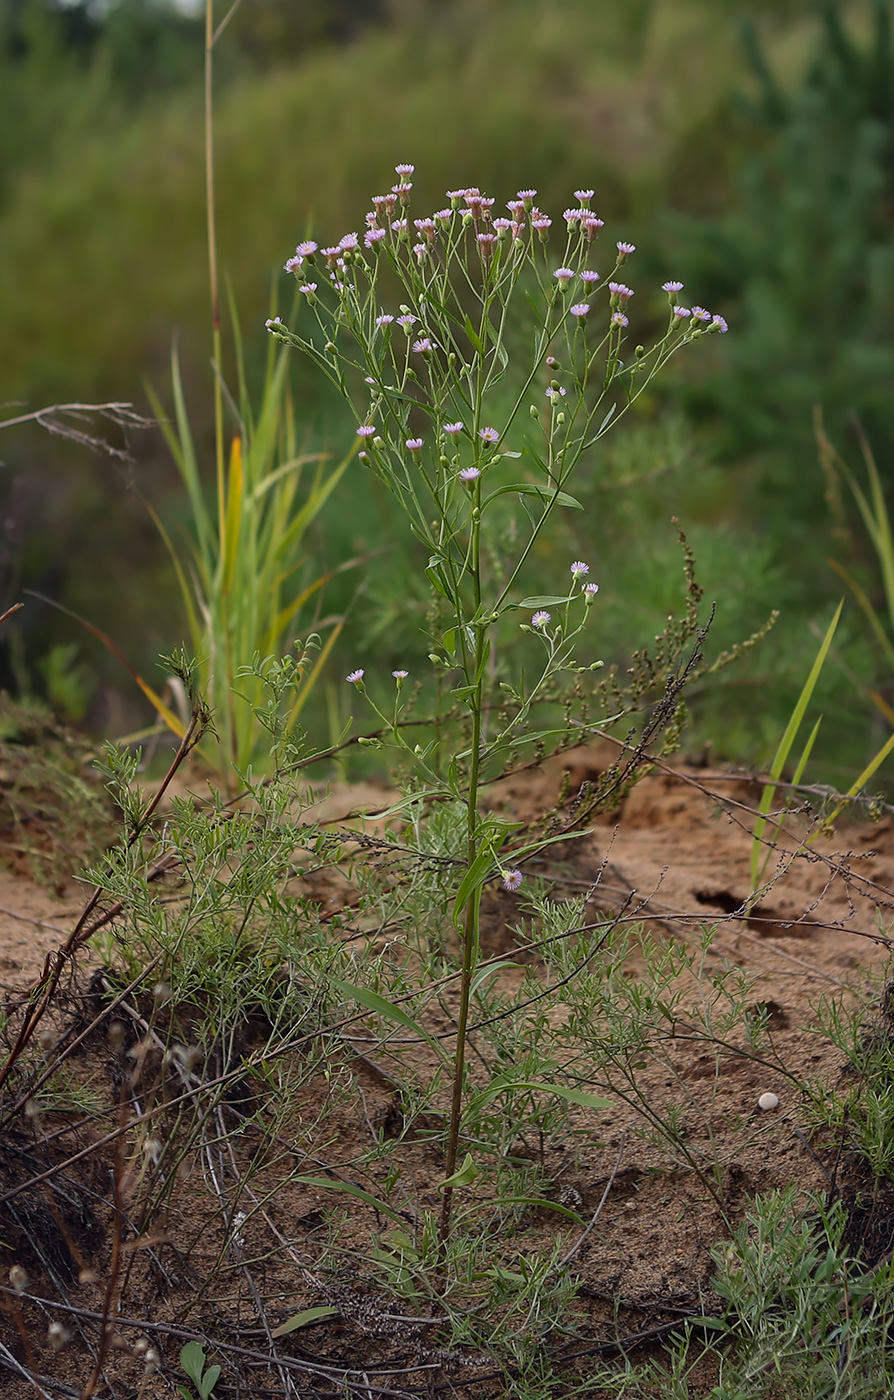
x,y
18,1279
58,1336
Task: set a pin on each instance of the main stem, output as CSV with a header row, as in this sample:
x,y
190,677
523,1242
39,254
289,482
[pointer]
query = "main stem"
x,y
473,904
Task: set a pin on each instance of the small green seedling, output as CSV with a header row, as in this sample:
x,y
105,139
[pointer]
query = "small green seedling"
x,y
192,1359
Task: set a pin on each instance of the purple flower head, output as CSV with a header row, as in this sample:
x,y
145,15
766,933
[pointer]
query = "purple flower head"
x,y
470,474
625,249
371,219
583,196
563,276
354,677
579,568
293,264
367,431
554,395
421,250
700,314
404,170
719,324
526,195
619,319
489,435
406,321
401,190
399,226
348,243
414,444
541,223
331,255
540,619
591,226
590,591
512,879
444,216
306,249
384,320
501,225
455,196
681,312
672,287
373,236
486,242
478,204
515,206
380,200
308,288
423,346
619,290
573,216
580,310
363,456
400,675
589,276
453,428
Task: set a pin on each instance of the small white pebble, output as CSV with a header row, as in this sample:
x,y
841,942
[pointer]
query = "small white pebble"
x,y
768,1101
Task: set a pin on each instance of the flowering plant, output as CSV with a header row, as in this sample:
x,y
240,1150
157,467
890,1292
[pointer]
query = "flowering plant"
x,y
427,373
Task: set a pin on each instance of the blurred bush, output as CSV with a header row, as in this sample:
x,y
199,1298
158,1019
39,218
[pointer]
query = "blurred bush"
x,y
803,265
760,172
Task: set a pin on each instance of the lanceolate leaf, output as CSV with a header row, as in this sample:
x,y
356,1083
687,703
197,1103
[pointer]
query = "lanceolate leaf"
x,y
546,493
303,1319
384,1008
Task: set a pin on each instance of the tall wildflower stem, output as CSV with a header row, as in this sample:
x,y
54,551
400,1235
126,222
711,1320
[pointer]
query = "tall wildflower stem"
x,y
472,913
442,423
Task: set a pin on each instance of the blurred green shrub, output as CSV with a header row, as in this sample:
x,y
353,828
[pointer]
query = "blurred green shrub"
x,y
803,265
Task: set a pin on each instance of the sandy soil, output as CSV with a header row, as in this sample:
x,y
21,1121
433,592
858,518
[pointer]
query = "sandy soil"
x,y
675,854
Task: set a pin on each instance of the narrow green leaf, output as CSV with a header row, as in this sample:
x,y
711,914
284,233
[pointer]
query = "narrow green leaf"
x,y
348,1188
384,1008
527,488
491,970
464,1176
785,745
503,1086
473,336
545,600
303,1319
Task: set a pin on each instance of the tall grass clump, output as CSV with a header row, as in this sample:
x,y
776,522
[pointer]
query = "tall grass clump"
x,y
238,581
481,368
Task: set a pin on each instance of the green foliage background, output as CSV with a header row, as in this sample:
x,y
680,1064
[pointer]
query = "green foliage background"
x,y
744,147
